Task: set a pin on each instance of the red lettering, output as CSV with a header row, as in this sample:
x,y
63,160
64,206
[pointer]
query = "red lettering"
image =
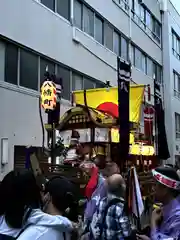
x,y
166,182
173,184
169,182
158,177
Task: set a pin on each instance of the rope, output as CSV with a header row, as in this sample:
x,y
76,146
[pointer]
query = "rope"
x,y
42,125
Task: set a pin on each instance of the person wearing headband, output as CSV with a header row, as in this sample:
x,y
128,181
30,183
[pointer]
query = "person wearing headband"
x,y
165,221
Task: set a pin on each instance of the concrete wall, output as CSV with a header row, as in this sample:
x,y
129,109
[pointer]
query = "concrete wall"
x,y
171,20
20,121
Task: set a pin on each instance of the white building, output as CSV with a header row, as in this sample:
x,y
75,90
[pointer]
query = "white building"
x,y
78,40
171,73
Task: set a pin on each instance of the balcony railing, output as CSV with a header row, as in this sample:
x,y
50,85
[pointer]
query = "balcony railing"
x,y
145,27
176,93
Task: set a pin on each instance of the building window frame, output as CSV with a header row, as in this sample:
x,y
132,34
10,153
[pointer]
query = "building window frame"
x,y
177,125
81,16
79,77
55,9
95,25
22,74
176,78
8,43
144,61
175,44
2,61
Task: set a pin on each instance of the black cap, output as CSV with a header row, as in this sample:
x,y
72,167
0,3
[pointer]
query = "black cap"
x,y
169,172
62,192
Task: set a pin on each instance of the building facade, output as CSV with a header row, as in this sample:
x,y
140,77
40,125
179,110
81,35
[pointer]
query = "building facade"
x,y
79,41
171,80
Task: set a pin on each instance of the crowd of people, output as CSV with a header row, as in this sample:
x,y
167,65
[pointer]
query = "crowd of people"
x,y
34,212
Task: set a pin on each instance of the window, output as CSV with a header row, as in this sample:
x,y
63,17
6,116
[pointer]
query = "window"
x,y
99,29
142,16
176,45
77,82
108,36
88,21
44,63
88,84
132,55
150,67
138,62
64,73
11,63
28,70
148,22
176,84
2,60
177,125
78,14
157,72
143,66
156,30
49,3
63,8
124,48
135,10
116,43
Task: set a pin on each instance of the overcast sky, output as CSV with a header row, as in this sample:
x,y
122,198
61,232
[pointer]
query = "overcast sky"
x,y
176,3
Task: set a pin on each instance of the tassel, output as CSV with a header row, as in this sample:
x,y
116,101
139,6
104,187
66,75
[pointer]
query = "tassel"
x,y
149,93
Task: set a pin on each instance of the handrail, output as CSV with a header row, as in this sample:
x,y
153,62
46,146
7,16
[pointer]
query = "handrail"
x,y
145,25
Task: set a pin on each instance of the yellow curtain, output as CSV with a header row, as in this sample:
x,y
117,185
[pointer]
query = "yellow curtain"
x,y
99,96
115,136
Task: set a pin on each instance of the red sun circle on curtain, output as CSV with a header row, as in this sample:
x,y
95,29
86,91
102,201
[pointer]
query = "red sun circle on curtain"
x,y
109,108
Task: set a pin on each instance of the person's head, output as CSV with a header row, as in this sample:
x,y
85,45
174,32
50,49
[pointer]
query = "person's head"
x,y
58,196
19,192
110,169
167,184
99,156
116,185
100,161
87,167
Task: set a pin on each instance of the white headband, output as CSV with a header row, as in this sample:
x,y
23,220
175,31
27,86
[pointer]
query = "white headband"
x,y
168,182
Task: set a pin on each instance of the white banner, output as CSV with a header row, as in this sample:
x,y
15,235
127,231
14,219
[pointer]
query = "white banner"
x,y
101,135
